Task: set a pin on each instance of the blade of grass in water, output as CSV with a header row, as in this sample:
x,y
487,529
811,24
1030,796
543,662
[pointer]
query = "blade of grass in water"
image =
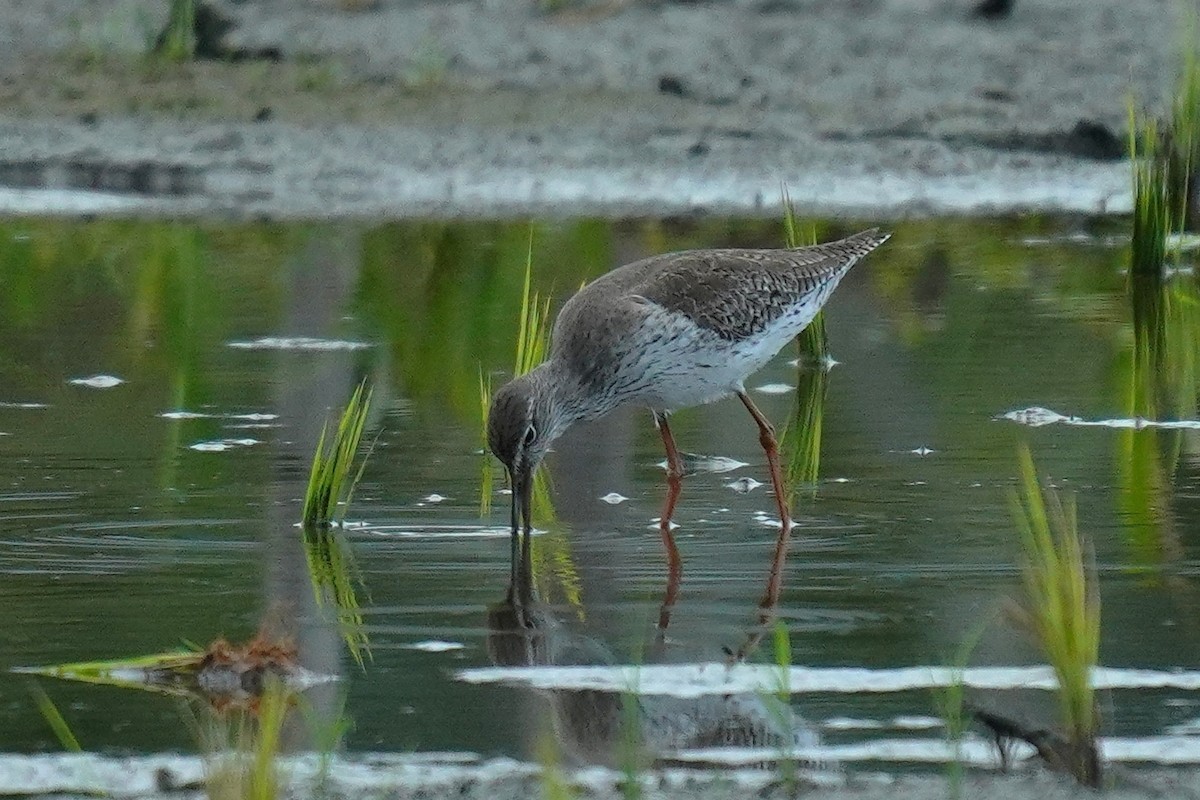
x,y
1061,607
329,480
1151,208
55,719
1185,129
813,343
533,338
241,749
486,472
178,42
330,487
801,440
950,703
138,672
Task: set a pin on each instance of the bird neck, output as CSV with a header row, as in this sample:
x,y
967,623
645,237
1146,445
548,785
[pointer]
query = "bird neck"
x,y
563,394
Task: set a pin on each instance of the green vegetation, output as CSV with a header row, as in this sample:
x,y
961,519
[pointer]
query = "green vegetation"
x,y
533,327
335,579
812,343
801,439
329,481
1184,161
327,734
1061,609
779,706
129,673
1152,215
1165,163
950,702
54,718
241,748
487,472
533,340
631,755
555,783
178,42
330,485
1158,378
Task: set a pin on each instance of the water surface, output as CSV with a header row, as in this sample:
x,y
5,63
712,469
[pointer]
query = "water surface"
x,y
128,527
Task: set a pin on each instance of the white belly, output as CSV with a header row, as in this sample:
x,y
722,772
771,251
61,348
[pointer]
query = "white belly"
x,y
689,366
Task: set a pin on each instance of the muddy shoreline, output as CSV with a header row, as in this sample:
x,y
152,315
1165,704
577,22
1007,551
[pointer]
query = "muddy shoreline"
x,y
873,108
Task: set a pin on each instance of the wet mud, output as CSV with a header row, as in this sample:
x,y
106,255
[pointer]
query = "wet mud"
x,y
323,109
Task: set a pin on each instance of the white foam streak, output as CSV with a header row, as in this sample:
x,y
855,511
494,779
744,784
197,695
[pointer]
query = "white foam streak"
x,y
697,680
1165,750
1036,417
296,343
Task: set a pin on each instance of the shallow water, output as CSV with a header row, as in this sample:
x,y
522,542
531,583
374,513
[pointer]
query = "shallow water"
x,y
129,527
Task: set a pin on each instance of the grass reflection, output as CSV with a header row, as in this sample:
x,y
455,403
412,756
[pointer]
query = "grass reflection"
x,y
1159,383
331,482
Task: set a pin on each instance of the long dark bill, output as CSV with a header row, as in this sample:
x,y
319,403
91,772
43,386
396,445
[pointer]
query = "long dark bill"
x,y
520,481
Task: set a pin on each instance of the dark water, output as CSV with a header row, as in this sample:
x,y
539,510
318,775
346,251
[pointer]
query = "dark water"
x,y
118,538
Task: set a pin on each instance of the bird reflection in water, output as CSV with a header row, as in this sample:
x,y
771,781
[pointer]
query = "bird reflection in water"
x,y
593,726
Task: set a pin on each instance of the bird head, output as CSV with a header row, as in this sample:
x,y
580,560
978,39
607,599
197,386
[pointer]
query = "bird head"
x,y
521,426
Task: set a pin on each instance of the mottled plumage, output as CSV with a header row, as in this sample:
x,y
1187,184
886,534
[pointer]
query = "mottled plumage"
x,y
666,332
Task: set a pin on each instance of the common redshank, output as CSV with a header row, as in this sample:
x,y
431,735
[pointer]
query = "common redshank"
x,y
667,332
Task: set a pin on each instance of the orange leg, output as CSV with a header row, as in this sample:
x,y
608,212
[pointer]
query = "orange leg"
x,y
766,437
674,486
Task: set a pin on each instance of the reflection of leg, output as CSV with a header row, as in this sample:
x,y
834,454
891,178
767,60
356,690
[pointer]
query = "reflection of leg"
x,y
770,599
674,486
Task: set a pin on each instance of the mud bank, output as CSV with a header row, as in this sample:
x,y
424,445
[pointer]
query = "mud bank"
x,y
399,109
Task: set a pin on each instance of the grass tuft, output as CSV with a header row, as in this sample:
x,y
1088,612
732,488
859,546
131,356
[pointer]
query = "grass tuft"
x,y
813,342
241,748
533,329
329,481
1185,131
178,41
533,341
331,566
1151,195
1061,609
801,439
951,705
631,756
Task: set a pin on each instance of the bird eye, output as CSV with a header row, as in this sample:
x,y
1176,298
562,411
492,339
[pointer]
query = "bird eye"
x,y
530,435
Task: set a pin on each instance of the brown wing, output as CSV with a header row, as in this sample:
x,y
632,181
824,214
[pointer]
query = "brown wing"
x,y
737,293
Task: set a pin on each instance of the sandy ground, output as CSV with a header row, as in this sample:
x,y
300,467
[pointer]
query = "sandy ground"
x,y
505,107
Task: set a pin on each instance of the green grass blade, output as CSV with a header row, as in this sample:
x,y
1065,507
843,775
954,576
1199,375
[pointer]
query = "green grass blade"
x,y
801,439
55,719
486,473
813,342
332,481
329,482
1061,604
1151,177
